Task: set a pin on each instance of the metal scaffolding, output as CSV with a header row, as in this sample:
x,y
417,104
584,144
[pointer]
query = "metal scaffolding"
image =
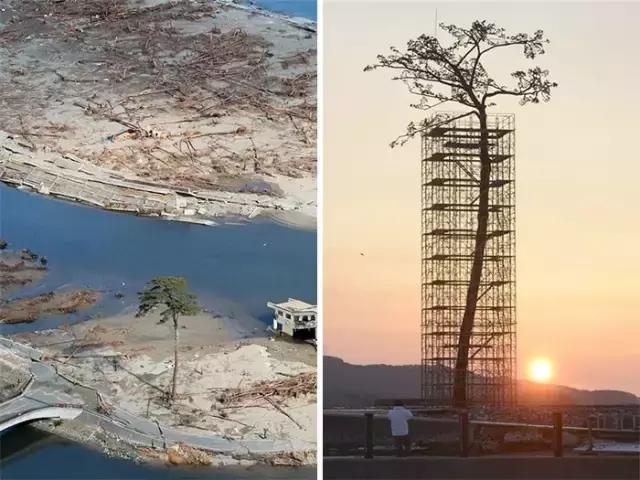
x,y
450,192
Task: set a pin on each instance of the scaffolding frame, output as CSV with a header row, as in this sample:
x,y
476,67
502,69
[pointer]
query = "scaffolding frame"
x,y
450,194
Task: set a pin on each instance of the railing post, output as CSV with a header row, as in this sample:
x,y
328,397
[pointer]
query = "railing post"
x,y
590,437
557,434
620,421
368,435
463,417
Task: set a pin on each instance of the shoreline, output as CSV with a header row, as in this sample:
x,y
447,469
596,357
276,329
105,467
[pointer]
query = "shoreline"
x,y
78,350
301,22
186,154
127,362
294,219
74,433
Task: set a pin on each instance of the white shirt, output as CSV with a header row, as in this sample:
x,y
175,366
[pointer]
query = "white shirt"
x,y
398,417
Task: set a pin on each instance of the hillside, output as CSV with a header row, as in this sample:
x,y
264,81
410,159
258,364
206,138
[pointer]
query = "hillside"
x,y
348,385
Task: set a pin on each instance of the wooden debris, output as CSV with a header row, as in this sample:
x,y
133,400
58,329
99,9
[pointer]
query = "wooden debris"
x,y
176,91
303,384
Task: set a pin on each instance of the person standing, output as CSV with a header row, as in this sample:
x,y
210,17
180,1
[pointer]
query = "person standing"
x,y
399,418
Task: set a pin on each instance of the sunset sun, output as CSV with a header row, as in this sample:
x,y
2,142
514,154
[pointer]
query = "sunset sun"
x,y
540,370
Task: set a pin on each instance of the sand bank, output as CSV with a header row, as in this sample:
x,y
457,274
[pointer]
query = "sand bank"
x,y
30,309
19,269
248,389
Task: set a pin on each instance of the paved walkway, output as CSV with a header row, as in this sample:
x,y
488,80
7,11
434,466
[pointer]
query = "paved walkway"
x,y
46,389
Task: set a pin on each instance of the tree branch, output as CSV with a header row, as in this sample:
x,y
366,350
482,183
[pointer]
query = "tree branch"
x,y
412,130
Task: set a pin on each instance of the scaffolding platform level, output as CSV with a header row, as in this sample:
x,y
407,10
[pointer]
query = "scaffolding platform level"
x,y
450,193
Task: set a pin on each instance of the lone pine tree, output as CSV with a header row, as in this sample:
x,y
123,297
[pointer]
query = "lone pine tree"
x,y
439,75
172,295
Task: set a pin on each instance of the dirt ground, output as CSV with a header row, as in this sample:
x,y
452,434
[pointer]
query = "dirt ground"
x,y
18,270
30,309
253,388
14,374
196,96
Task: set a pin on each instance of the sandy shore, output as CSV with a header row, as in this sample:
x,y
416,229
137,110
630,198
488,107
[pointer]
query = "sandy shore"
x,y
253,388
190,110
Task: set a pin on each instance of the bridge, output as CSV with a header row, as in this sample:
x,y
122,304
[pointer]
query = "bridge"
x,y
63,413
45,396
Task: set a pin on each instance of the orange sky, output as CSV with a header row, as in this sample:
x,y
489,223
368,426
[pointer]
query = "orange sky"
x,y
578,171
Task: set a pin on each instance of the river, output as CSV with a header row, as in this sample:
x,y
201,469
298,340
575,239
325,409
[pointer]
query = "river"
x,y
234,267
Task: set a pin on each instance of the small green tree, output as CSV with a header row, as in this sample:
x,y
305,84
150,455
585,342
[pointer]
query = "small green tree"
x,y
172,294
440,74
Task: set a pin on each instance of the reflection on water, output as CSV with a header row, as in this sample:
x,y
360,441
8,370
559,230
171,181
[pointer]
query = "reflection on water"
x,y
234,268
26,453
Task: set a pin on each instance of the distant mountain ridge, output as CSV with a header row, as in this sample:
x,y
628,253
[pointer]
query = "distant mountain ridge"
x,y
355,386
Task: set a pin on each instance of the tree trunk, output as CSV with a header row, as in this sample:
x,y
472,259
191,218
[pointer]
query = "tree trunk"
x,y
466,329
175,359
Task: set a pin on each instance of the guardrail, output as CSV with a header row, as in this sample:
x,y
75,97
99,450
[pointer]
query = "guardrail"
x,y
459,429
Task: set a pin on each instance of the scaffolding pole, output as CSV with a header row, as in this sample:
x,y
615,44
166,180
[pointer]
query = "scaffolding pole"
x,y
450,193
